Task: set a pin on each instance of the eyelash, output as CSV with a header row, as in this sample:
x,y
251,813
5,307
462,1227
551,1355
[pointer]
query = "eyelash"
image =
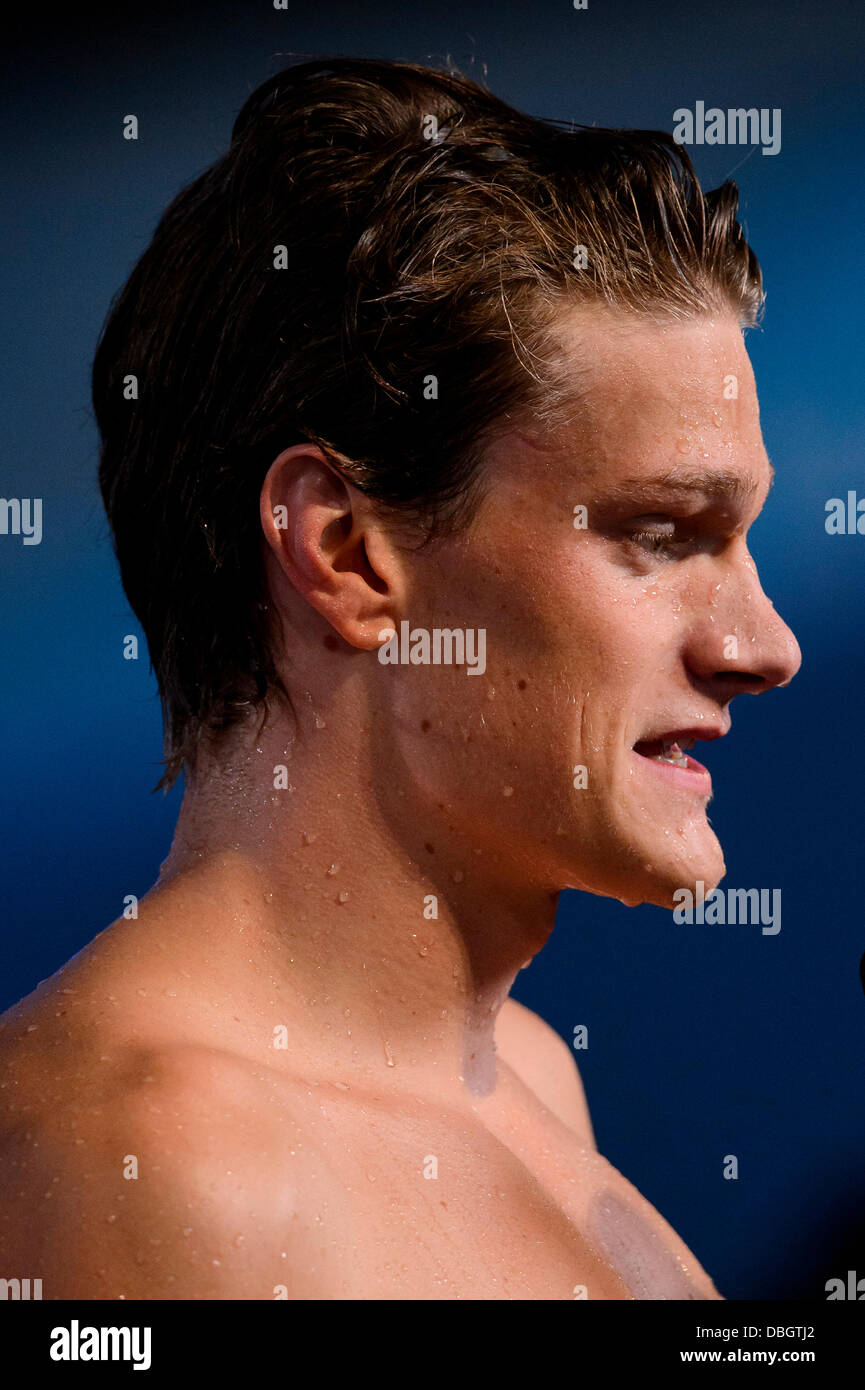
x,y
656,542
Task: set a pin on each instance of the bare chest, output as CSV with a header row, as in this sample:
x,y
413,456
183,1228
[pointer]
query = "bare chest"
x,y
432,1205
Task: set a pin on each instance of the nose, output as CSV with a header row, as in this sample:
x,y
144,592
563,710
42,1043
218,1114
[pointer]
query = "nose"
x,y
744,646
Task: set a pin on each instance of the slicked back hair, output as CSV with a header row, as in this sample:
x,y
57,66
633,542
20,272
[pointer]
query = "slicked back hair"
x,y
373,226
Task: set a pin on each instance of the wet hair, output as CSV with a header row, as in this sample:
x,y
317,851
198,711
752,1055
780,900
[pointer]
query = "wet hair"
x,y
376,265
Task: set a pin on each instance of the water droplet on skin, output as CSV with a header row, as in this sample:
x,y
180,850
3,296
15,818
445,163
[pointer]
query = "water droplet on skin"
x,y
334,869
308,836
423,950
683,446
343,896
507,791
319,722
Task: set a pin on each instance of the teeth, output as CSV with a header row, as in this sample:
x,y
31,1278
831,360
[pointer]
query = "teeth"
x,y
672,753
670,750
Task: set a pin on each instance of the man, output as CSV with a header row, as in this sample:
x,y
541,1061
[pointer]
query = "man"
x,y
430,449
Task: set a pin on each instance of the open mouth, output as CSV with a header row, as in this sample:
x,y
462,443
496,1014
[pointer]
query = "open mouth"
x,y
668,755
666,750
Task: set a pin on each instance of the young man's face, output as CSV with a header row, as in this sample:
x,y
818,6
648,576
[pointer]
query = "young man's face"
x,y
603,639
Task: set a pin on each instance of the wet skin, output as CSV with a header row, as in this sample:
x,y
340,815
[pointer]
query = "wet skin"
x,y
286,1040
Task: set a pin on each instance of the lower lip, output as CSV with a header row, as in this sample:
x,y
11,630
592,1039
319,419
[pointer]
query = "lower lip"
x,y
693,778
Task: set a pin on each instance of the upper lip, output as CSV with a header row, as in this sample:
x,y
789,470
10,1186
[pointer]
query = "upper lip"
x,y
696,732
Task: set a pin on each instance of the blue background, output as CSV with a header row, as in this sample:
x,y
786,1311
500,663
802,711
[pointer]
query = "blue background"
x,y
703,1041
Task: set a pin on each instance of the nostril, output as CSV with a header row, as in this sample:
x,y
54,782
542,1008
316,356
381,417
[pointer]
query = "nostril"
x,y
747,681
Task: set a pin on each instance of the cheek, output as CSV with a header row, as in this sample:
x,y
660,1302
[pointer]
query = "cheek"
x,y
569,643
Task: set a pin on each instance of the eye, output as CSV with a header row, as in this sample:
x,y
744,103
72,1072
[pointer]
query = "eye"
x,y
665,536
658,540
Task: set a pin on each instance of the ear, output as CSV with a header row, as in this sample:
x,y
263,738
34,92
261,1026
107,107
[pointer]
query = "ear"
x,y
332,546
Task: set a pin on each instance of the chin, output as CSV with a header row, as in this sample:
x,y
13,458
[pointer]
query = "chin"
x,y
637,875
703,865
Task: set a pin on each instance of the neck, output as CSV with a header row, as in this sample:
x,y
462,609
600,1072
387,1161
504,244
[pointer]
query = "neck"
x,y
391,937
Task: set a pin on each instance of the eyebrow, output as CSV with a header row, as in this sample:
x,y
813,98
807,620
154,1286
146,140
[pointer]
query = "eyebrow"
x,y
711,482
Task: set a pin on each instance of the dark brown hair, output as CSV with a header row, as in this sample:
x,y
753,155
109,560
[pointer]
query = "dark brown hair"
x,y
428,236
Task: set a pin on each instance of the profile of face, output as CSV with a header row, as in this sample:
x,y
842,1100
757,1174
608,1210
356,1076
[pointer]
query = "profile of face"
x,y
608,568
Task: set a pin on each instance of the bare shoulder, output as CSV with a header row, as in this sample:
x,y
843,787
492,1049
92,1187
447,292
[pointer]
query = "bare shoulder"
x,y
129,1170
544,1062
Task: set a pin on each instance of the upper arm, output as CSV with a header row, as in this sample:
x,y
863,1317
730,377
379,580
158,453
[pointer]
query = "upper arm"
x,y
170,1192
545,1063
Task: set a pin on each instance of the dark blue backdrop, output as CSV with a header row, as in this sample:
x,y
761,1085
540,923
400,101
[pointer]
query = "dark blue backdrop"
x,y
703,1041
